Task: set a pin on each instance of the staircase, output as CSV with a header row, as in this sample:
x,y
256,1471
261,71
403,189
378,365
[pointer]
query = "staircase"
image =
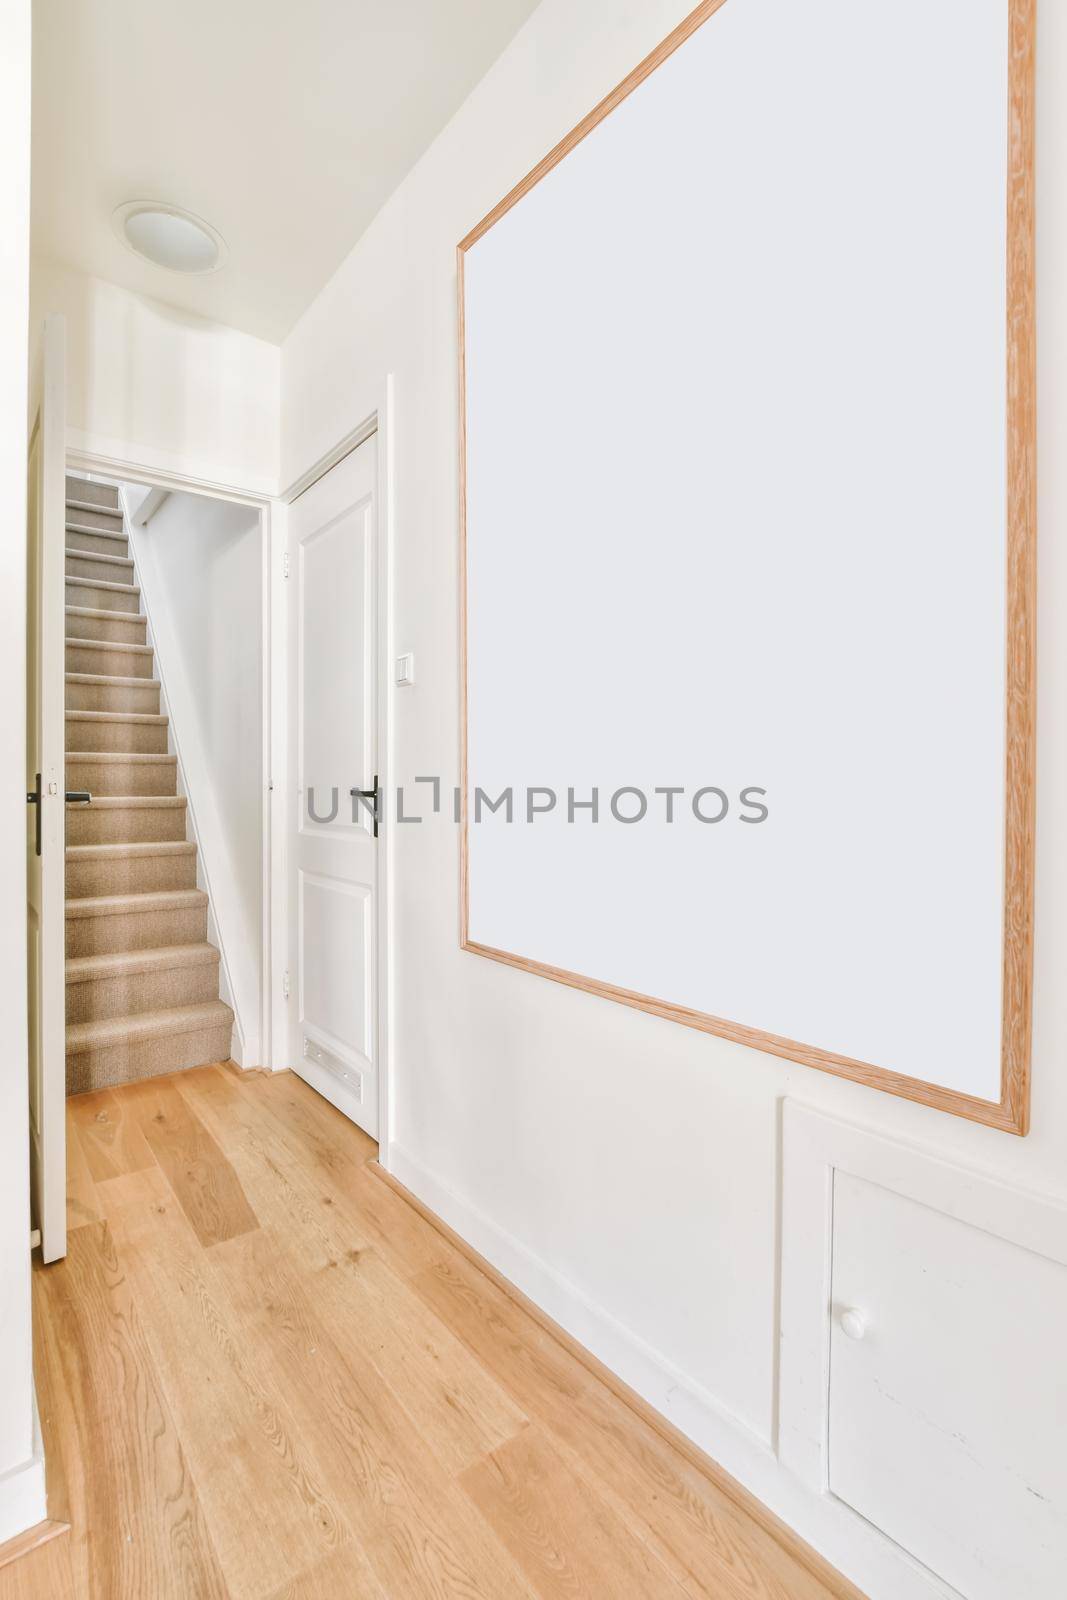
x,y
142,980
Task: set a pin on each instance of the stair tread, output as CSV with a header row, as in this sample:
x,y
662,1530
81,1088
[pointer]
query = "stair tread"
x,y
139,757
73,526
72,641
112,680
102,583
112,905
102,611
120,851
135,802
147,1025
86,969
150,718
75,503
98,555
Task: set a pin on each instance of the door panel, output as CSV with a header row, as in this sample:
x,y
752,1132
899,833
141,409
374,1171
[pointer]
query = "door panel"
x,y
335,925
333,723
334,571
45,726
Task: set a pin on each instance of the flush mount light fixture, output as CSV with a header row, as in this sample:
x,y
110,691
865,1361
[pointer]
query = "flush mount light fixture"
x,y
169,237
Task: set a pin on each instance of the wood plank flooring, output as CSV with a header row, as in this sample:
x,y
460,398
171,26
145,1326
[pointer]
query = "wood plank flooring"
x,y
263,1374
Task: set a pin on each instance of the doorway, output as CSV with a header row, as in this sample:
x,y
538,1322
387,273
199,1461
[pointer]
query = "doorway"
x,y
164,712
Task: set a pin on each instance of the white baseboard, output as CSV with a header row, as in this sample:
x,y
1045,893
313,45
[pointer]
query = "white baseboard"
x,y
879,1567
22,1493
22,1499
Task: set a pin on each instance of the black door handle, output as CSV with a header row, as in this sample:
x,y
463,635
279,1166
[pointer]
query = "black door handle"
x,y
369,794
33,798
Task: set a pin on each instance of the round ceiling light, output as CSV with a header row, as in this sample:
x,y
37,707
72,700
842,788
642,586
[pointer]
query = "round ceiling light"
x,y
169,237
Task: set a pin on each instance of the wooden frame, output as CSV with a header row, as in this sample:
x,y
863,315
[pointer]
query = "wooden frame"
x,y
1011,1112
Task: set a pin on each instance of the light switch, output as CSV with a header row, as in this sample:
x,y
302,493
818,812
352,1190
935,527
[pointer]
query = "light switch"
x,y
405,670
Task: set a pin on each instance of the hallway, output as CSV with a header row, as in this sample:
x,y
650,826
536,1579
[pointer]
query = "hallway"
x,y
262,1373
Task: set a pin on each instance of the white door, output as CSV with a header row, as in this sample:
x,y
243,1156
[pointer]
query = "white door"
x,y
333,854
45,730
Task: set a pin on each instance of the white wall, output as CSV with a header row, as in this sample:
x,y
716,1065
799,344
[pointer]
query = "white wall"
x,y
622,1169
21,1500
150,385
199,564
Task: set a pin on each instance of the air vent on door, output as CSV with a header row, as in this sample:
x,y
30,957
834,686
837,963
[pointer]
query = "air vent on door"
x,y
352,1079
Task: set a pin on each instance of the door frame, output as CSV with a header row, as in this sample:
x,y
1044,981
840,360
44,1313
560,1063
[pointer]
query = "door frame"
x,y
378,424
273,1009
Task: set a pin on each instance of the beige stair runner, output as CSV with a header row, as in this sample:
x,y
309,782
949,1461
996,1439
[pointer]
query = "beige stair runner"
x,y
142,979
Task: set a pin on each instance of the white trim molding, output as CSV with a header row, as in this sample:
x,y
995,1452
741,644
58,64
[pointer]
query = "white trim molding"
x,y
344,447
384,418
117,458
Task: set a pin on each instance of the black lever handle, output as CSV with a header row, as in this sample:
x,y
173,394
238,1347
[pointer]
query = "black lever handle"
x,y
33,798
369,794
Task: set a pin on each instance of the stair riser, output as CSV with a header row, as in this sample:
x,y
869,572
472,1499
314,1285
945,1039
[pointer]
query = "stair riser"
x,y
113,697
110,663
84,538
132,995
85,489
88,567
140,738
135,930
135,825
102,518
116,627
130,875
99,521
99,1069
88,594
120,778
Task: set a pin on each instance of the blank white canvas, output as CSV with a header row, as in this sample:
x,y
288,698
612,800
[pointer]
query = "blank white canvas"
x,y
735,383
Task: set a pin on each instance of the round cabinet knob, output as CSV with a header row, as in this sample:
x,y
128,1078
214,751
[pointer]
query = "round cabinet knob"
x,y
853,1322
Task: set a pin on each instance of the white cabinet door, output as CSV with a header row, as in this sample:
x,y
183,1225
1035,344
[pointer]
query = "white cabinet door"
x,y
948,1393
333,845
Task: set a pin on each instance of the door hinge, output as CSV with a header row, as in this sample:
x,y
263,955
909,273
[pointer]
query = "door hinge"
x,y
285,565
285,985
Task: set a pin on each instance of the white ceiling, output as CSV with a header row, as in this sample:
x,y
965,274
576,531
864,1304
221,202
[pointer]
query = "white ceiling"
x,y
283,123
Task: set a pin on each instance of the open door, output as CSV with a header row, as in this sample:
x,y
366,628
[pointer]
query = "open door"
x,y
335,827
45,739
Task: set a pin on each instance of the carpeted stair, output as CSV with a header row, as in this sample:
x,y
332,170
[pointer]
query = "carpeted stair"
x,y
142,979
